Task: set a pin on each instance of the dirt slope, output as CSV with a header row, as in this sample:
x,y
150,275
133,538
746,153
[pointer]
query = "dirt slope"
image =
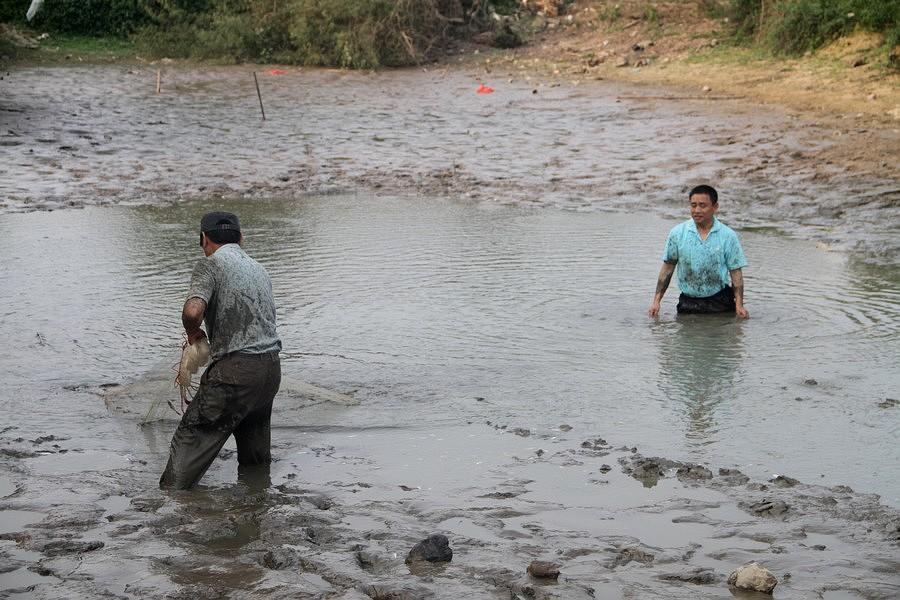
x,y
842,87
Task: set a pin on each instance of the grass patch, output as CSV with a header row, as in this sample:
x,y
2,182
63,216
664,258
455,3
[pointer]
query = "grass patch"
x,y
58,47
88,46
793,27
610,13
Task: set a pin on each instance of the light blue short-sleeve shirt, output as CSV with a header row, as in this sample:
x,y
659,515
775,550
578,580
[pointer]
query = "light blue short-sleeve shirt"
x,y
703,265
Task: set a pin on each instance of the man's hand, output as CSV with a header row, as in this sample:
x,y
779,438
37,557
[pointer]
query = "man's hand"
x,y
737,283
195,336
662,284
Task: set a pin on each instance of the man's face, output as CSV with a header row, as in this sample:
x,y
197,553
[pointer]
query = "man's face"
x,y
702,209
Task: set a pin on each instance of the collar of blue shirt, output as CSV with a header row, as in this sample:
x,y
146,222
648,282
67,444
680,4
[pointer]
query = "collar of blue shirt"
x,y
715,226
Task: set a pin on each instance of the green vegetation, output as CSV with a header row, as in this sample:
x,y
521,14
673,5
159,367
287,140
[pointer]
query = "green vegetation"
x,y
345,33
376,33
610,13
793,27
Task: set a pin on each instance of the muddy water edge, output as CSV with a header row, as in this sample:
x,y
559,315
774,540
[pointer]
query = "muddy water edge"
x,y
486,311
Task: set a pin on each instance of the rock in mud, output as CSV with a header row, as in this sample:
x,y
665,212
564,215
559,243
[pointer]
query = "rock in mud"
x,y
596,444
783,481
695,576
692,471
627,555
649,470
767,508
543,569
436,548
733,477
63,547
753,576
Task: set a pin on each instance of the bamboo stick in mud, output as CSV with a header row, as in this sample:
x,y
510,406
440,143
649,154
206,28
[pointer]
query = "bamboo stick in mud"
x,y
258,95
158,80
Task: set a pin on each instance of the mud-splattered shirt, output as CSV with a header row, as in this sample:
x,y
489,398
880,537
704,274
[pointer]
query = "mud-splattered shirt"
x,y
703,265
240,309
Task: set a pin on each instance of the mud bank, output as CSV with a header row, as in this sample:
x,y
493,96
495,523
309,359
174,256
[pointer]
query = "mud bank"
x,y
95,135
345,510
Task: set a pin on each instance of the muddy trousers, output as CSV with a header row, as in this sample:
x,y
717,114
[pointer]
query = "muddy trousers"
x,y
720,302
235,397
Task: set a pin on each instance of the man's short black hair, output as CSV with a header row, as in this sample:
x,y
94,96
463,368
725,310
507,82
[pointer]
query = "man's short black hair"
x,y
705,190
227,236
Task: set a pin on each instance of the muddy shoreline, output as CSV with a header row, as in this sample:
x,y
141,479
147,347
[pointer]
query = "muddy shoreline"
x,y
643,525
97,135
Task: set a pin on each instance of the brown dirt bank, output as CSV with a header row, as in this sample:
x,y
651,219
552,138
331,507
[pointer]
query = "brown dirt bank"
x,y
678,45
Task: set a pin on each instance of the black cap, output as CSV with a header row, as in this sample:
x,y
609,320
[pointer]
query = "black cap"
x,y
219,221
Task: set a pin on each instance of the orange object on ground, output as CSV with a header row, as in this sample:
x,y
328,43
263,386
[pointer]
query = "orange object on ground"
x,y
276,72
483,89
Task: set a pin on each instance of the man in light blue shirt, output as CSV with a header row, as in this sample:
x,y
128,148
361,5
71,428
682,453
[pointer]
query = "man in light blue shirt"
x,y
705,253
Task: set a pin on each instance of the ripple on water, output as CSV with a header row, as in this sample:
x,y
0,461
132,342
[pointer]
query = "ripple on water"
x,y
419,306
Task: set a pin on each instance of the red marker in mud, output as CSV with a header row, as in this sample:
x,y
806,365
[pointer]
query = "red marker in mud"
x,y
483,89
276,72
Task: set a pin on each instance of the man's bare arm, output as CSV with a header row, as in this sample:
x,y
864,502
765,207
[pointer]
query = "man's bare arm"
x,y
737,283
192,318
662,284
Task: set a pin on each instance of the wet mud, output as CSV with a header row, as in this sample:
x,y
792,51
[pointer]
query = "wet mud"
x,y
340,528
86,135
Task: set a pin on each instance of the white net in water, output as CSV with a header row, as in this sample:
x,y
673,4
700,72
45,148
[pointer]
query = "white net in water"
x,y
151,397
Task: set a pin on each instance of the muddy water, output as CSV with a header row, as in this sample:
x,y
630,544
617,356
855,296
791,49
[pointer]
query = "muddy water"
x,y
510,390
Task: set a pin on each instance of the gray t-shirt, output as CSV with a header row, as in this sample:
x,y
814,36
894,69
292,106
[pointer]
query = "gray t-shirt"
x,y
240,309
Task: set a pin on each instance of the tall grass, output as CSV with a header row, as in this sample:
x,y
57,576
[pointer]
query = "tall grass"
x,y
795,26
345,33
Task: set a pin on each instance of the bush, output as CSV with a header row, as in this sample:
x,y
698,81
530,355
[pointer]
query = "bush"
x,y
89,17
795,26
368,33
345,33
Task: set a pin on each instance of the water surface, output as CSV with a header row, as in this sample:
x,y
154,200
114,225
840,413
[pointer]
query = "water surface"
x,y
452,324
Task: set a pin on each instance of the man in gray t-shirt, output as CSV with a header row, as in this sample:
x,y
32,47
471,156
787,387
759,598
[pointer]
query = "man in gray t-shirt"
x,y
232,293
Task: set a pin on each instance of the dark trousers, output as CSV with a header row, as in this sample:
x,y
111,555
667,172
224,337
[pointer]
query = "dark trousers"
x,y
235,397
720,302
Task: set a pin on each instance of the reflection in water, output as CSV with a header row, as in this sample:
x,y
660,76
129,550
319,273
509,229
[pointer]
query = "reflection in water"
x,y
699,357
